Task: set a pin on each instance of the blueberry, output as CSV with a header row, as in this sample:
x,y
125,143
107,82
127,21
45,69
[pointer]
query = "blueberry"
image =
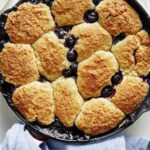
x,y
107,91
96,2
118,38
70,41
48,2
67,28
35,1
6,87
148,76
42,79
61,33
72,55
2,42
3,18
74,68
70,71
91,16
67,72
117,78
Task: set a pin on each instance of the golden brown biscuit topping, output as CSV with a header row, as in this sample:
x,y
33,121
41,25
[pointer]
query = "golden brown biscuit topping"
x,y
130,93
133,53
68,101
70,12
30,100
29,23
117,16
18,64
89,43
124,52
142,60
98,116
95,73
51,56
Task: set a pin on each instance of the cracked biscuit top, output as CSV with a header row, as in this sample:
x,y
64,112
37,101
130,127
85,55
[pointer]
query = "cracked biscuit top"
x,y
28,23
132,54
124,52
91,38
117,16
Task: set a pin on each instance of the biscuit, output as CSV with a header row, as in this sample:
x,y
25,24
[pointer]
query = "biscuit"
x,y
144,38
67,99
143,60
124,52
18,64
35,102
117,16
29,23
95,73
130,93
89,43
70,12
98,116
51,56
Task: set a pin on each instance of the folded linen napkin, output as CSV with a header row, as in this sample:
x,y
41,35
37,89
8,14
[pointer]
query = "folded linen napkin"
x,y
18,139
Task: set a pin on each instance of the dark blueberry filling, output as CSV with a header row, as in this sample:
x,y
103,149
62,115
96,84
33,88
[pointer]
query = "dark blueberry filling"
x,y
3,19
72,55
1,80
35,1
2,42
96,2
67,28
61,33
67,72
48,2
7,88
42,79
118,38
134,55
147,78
108,91
70,41
71,70
91,16
74,68
117,78
3,35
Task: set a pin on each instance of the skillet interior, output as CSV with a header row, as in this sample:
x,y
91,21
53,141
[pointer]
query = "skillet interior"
x,y
57,130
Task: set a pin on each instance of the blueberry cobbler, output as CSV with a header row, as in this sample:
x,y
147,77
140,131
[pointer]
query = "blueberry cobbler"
x,y
81,61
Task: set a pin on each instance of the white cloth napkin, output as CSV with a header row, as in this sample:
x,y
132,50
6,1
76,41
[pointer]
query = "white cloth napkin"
x,y
18,139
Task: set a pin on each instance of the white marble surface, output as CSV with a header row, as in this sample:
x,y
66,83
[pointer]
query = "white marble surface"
x,y
140,128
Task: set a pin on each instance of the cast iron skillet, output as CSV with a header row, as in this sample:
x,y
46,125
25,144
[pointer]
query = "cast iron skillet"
x,y
56,130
